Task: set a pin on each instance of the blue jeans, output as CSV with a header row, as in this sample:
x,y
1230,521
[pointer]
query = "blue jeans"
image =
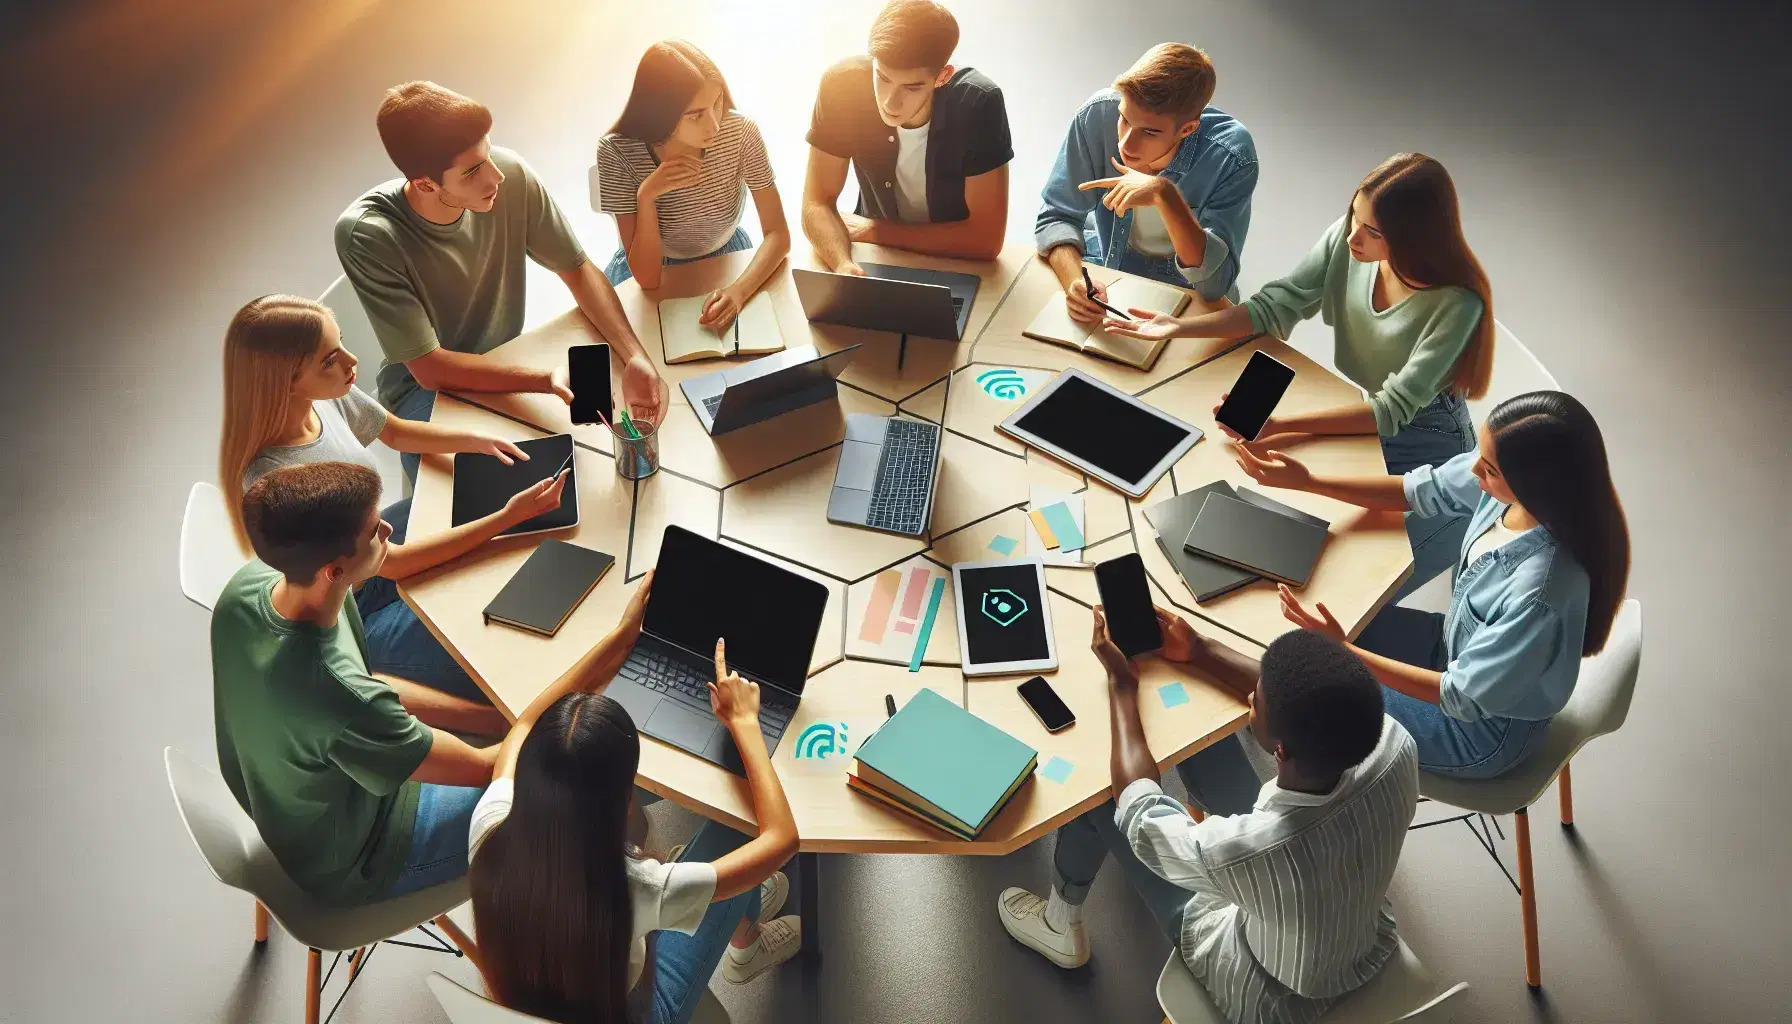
x,y
398,643
438,838
1482,749
418,406
617,270
683,964
1219,780
1440,432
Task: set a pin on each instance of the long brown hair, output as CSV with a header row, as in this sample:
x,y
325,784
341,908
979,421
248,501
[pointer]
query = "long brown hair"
x,y
550,884
670,73
1415,208
1552,454
265,347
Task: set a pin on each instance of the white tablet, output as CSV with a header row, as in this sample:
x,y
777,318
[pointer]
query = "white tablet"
x,y
1004,620
1115,437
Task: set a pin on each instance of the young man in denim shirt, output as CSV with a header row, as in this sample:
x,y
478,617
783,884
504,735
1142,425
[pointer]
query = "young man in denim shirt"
x,y
1167,178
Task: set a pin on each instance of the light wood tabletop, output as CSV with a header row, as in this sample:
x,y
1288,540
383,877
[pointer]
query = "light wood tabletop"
x,y
764,489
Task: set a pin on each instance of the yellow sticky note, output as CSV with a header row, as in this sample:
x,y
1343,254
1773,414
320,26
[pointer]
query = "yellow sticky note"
x,y
1044,528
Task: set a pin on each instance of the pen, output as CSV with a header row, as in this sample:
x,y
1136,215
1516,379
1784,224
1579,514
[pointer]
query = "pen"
x,y
628,424
889,706
564,466
1089,284
737,335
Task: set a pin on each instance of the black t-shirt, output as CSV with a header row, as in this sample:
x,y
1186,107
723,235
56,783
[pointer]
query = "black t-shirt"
x,y
968,136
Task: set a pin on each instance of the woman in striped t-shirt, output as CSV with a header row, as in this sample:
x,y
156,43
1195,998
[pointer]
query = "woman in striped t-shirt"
x,y
671,172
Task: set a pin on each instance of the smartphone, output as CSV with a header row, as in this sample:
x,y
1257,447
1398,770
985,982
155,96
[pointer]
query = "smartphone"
x,y
589,368
1254,395
1053,713
1126,600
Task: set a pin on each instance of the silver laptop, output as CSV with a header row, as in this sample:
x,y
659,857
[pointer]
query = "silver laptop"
x,y
769,386
888,472
901,300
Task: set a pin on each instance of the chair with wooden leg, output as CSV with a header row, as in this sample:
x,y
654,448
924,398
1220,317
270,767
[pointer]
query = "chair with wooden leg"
x,y
1600,703
1403,993
233,850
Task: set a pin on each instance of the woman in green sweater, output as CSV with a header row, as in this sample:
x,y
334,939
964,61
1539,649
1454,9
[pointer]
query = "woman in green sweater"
x,y
1410,311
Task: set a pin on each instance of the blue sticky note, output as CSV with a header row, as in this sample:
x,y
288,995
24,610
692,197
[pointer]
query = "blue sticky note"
x,y
1003,546
1063,524
1057,770
1172,694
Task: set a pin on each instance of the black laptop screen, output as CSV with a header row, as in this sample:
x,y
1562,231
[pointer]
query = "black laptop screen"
x,y
769,615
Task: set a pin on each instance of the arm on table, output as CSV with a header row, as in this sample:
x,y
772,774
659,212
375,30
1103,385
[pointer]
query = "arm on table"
x,y
736,703
641,384
1278,469
978,237
418,554
724,304
822,222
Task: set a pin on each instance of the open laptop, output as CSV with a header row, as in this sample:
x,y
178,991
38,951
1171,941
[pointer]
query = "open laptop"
x,y
902,300
888,472
702,590
769,386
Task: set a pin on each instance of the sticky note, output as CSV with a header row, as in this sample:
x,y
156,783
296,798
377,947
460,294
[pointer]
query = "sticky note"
x,y
877,612
1057,770
1003,546
905,626
1172,694
917,589
1044,527
1063,524
926,631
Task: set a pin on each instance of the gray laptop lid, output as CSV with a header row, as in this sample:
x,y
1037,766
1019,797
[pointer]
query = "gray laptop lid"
x,y
923,310
767,387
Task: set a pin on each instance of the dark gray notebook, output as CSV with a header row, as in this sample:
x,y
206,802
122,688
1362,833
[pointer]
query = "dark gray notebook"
x,y
1247,535
548,587
1207,578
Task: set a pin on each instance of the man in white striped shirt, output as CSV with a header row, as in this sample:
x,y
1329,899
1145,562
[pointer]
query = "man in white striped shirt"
x,y
1278,911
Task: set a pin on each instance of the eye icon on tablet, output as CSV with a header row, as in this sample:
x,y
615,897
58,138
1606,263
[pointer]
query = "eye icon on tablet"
x,y
1004,607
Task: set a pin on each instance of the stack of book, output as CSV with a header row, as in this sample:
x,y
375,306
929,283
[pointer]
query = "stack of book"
x,y
940,763
1211,572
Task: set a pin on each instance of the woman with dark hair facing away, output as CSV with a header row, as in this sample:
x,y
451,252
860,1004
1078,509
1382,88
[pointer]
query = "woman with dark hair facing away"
x,y
1537,581
574,924
1410,310
672,170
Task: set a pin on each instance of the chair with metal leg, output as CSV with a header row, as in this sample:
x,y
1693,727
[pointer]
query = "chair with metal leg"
x,y
1403,992
1600,703
233,850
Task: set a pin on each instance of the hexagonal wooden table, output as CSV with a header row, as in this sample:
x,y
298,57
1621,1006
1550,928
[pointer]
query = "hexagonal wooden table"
x,y
764,489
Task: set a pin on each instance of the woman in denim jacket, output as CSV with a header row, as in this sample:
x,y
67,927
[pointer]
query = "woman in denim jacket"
x,y
1538,579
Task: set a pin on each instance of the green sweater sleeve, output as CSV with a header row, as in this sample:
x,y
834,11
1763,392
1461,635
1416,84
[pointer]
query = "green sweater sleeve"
x,y
1427,371
1279,306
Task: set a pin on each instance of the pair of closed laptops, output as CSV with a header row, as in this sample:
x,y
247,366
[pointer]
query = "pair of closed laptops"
x,y
1221,538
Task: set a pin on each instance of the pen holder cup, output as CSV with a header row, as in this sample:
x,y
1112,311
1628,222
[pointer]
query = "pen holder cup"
x,y
636,457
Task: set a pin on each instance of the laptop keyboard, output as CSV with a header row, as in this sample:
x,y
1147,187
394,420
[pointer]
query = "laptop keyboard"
x,y
679,679
904,475
711,404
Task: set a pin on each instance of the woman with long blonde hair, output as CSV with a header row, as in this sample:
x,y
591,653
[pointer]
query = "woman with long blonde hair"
x,y
290,399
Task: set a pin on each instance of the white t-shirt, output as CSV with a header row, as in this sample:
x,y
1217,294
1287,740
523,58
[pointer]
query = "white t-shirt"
x,y
665,896
1496,536
911,173
1150,235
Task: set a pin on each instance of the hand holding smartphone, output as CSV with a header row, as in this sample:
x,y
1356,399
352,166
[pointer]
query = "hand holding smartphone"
x,y
1254,396
1126,601
588,366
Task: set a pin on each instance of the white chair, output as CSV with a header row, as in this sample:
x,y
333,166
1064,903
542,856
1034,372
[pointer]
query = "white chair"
x,y
359,339
466,1007
233,850
1403,992
209,554
1600,703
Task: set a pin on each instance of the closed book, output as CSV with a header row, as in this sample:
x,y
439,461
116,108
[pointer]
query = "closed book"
x,y
1206,578
548,586
1246,535
936,756
860,786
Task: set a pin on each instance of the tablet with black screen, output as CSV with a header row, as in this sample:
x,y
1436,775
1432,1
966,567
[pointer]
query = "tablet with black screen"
x,y
482,484
1121,440
1004,620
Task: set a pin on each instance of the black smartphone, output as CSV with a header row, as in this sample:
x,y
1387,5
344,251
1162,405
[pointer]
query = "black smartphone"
x,y
1053,713
1254,395
1126,600
589,368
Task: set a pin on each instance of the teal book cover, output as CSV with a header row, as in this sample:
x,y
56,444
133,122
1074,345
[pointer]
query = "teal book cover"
x,y
949,757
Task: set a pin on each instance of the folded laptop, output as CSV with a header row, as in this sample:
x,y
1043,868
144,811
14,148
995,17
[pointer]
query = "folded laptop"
x,y
702,590
740,396
888,471
901,300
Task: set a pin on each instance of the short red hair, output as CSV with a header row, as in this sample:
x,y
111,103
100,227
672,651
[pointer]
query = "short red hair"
x,y
425,126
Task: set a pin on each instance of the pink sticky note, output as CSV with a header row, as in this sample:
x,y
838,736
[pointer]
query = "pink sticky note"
x,y
905,626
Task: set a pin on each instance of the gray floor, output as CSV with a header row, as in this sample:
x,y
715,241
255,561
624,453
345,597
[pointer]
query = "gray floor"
x,y
1622,174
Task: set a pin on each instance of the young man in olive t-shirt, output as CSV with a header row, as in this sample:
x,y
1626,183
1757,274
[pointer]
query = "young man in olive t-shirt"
x,y
928,141
358,798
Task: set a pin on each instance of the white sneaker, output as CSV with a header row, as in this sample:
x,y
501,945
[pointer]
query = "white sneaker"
x,y
772,894
1023,914
778,941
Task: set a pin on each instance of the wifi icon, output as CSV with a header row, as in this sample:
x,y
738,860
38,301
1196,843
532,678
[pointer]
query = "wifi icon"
x,y
1004,384
822,740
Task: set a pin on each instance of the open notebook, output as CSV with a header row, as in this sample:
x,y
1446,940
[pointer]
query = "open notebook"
x,y
1052,323
754,333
